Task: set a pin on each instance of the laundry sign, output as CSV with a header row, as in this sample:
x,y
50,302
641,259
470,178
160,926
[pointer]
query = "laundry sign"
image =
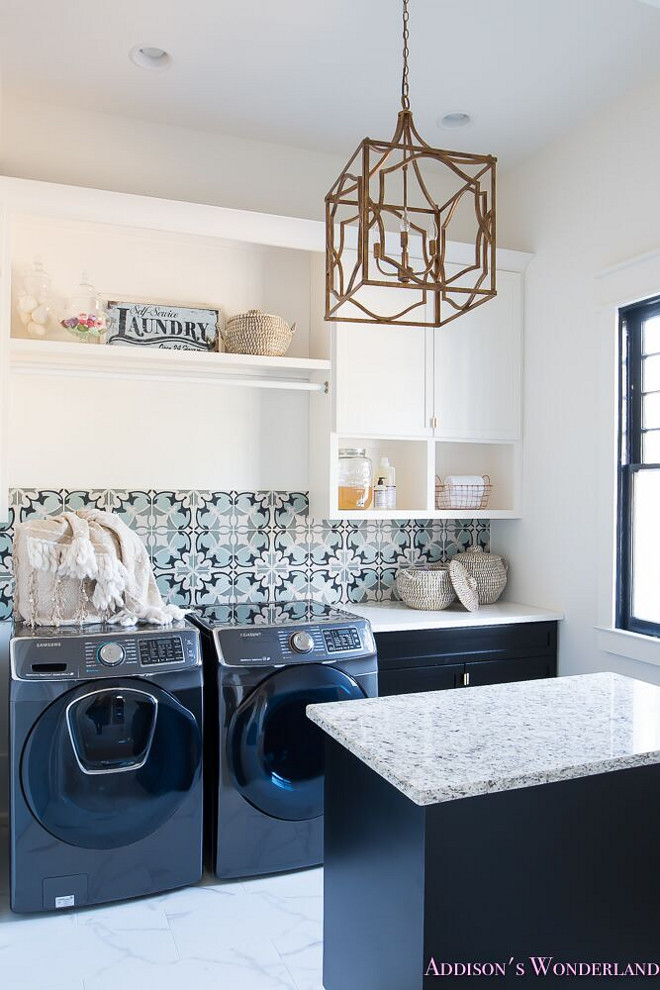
x,y
174,327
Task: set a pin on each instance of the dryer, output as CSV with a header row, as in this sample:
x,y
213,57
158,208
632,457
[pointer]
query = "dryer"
x,y
264,664
105,760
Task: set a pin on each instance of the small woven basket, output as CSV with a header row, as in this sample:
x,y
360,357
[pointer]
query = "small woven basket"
x,y
462,496
255,332
488,569
427,587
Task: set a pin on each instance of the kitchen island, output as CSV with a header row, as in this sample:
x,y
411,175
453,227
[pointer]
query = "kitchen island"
x,y
488,828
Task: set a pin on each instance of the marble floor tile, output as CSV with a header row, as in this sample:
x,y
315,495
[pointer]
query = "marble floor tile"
x,y
261,934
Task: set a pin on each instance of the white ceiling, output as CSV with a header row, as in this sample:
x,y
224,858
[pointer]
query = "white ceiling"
x,y
323,74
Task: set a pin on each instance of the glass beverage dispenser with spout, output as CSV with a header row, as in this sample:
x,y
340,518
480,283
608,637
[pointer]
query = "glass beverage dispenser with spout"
x,y
355,478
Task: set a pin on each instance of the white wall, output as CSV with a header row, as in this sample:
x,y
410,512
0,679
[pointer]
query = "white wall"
x,y
78,147
586,203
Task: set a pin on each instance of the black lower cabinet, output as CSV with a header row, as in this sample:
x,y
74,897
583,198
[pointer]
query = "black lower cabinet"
x,y
564,872
439,660
501,671
439,678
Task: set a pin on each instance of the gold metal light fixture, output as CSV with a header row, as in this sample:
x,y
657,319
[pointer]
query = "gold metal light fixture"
x,y
389,217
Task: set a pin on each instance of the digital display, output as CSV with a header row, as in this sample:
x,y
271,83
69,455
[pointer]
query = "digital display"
x,y
337,640
165,650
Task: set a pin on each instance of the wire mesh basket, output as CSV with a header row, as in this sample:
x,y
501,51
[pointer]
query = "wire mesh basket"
x,y
463,496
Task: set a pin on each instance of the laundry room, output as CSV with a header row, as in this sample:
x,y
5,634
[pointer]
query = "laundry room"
x,y
329,474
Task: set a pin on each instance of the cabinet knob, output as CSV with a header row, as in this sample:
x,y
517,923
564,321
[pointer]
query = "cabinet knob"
x,y
466,679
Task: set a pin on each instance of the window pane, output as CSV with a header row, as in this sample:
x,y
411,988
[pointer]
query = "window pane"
x,y
646,546
651,454
651,336
651,411
651,374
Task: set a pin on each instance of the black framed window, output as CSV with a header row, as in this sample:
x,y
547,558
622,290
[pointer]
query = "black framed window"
x,y
638,558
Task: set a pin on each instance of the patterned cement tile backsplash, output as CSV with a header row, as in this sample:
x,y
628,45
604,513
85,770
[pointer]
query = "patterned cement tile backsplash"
x,y
209,547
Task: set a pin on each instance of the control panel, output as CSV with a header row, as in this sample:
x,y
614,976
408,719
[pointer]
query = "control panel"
x,y
340,640
65,655
278,645
162,650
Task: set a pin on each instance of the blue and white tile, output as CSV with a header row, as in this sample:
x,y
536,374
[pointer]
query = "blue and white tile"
x,y
6,541
216,589
363,586
250,548
98,498
171,510
6,598
325,588
133,508
174,589
31,502
215,511
167,547
248,587
290,511
216,546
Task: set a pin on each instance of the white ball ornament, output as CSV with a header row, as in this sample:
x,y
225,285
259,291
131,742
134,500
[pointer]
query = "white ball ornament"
x,y
25,318
27,303
36,329
40,314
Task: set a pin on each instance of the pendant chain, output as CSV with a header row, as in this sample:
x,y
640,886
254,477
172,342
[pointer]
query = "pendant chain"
x,y
405,88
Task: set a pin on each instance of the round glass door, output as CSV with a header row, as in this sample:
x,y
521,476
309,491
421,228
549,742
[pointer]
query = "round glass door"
x,y
274,751
106,766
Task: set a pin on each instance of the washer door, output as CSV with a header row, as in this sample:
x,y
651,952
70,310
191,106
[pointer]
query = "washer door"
x,y
106,766
274,752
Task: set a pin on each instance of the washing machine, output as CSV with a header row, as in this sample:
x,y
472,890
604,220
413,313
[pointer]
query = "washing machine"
x,y
106,789
264,664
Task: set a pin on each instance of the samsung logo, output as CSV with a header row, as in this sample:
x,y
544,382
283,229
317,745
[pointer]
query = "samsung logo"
x,y
41,646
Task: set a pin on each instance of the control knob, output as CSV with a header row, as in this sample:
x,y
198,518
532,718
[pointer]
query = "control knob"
x,y
111,654
301,642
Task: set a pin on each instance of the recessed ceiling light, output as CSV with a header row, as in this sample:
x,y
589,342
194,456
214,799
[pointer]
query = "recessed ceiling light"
x,y
150,57
452,121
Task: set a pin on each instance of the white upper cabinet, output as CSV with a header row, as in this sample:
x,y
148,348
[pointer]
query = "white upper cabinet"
x,y
382,380
478,368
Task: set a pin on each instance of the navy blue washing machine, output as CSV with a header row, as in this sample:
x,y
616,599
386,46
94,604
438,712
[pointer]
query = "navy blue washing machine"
x,y
264,760
105,762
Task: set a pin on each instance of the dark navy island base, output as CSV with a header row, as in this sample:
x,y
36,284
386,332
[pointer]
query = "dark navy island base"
x,y
569,869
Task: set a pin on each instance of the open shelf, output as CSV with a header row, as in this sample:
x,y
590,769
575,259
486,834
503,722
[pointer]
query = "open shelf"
x,y
417,462
500,461
142,363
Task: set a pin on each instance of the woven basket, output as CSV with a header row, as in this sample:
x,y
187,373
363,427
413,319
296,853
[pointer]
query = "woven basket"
x,y
489,570
427,587
255,332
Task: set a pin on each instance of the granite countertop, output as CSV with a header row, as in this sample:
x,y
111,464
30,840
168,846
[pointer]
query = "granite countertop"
x,y
444,745
393,616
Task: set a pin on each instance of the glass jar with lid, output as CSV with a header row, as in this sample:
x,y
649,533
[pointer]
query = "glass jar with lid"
x,y
85,313
355,478
35,300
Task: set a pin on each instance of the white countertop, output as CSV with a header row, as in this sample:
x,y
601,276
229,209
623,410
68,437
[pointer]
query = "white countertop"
x,y
394,616
444,745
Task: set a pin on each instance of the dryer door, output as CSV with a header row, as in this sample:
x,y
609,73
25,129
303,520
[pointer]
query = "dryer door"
x,y
274,752
105,766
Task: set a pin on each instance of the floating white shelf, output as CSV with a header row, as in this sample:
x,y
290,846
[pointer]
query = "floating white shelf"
x,y
377,514
54,357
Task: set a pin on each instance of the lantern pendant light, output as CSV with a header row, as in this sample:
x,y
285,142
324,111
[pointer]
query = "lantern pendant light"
x,y
389,217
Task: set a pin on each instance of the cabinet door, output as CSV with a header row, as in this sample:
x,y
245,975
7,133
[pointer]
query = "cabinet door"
x,y
382,380
502,671
478,365
439,677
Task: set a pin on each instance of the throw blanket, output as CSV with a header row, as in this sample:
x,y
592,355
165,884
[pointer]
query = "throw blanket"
x,y
85,566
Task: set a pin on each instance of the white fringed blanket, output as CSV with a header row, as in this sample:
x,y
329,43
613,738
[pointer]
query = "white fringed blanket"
x,y
84,567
